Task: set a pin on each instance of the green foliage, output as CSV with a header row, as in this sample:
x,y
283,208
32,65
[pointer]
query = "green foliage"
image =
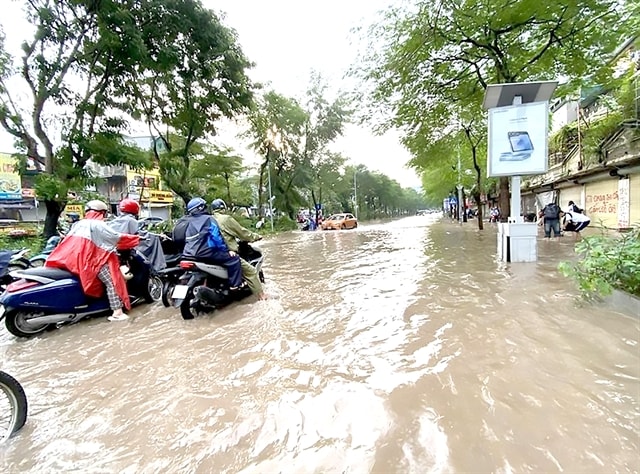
x,y
432,63
598,131
35,244
606,262
196,75
564,139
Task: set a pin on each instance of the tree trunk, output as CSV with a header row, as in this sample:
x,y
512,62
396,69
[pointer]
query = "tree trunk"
x,y
184,195
260,193
54,209
504,202
476,198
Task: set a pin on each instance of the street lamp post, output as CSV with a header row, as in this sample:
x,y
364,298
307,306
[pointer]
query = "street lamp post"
x,y
459,186
355,193
270,196
275,142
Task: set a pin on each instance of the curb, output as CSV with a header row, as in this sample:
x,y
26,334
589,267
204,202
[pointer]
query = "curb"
x,y
624,302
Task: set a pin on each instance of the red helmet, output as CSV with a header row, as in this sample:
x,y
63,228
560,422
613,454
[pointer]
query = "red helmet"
x,y
129,206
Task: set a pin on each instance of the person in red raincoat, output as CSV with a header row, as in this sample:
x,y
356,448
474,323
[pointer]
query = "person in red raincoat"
x,y
89,251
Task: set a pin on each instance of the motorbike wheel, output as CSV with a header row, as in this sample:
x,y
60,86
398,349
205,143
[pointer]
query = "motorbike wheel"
x,y
15,322
17,404
186,310
167,290
154,290
37,262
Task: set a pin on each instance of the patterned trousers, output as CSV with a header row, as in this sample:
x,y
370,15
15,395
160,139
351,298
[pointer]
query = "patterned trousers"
x,y
105,277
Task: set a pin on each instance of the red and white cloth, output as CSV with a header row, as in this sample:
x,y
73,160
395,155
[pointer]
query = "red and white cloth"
x,y
89,245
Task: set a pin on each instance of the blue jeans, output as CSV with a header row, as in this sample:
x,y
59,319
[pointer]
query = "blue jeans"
x,y
551,224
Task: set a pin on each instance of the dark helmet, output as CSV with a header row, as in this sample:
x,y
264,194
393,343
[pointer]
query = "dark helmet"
x,y
218,204
129,206
73,216
52,243
197,204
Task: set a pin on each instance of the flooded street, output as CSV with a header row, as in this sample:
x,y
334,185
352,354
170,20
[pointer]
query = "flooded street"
x,y
397,347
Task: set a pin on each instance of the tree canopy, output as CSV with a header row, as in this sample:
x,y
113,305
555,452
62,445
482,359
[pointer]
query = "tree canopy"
x,y
436,60
98,66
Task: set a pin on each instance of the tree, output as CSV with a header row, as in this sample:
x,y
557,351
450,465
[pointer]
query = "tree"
x,y
193,74
73,44
275,129
325,123
437,60
218,167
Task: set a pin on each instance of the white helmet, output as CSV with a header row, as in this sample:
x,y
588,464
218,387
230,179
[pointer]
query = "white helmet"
x,y
96,205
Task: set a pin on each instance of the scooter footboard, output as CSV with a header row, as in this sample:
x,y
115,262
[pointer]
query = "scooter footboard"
x,y
60,295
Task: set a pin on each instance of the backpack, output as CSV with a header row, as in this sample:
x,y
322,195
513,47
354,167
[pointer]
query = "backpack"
x,y
215,240
551,211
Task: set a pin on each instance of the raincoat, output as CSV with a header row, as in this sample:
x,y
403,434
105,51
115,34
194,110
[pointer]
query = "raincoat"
x,y
89,245
231,231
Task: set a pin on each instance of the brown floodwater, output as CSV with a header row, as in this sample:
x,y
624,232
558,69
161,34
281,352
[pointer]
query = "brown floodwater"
x,y
397,347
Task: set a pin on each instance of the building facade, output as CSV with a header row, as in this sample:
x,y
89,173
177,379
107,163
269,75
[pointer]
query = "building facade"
x,y
605,179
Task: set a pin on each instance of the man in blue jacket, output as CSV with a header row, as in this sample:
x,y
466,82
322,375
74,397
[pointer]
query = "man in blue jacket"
x,y
204,242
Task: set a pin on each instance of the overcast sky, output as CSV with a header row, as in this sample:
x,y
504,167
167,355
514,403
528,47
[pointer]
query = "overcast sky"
x,y
287,39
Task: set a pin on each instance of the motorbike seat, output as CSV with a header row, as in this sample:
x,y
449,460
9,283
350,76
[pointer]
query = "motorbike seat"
x,y
48,272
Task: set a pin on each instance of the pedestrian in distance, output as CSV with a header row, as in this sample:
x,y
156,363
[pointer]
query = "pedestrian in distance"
x,y
572,207
551,214
575,222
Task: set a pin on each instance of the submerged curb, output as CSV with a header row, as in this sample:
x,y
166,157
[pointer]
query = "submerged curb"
x,y
624,302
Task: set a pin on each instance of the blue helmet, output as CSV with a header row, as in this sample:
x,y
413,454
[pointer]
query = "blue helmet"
x,y
196,205
217,204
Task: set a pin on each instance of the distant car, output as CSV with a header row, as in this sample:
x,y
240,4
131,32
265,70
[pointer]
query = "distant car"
x,y
340,221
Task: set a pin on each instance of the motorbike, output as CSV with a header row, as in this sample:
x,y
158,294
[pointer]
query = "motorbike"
x,y
197,287
14,406
11,260
44,297
52,243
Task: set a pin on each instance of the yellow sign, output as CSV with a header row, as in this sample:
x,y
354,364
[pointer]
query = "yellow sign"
x,y
160,196
10,185
77,208
147,182
147,179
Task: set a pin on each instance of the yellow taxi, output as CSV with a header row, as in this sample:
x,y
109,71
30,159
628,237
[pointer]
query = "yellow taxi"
x,y
340,221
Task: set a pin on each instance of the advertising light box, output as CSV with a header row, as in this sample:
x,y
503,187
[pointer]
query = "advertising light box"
x,y
518,140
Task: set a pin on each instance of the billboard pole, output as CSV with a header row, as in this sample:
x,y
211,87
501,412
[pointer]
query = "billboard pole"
x,y
515,183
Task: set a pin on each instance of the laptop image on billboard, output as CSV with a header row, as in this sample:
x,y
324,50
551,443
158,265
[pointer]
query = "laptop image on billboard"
x,y
521,147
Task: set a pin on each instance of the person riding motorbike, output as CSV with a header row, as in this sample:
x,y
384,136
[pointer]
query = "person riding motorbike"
x,y
204,242
89,251
150,245
232,231
127,220
72,218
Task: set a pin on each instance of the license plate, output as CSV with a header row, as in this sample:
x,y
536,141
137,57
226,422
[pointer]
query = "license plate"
x,y
180,292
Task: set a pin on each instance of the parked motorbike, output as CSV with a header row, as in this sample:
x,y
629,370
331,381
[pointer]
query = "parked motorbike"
x,y
52,243
43,297
11,260
197,287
